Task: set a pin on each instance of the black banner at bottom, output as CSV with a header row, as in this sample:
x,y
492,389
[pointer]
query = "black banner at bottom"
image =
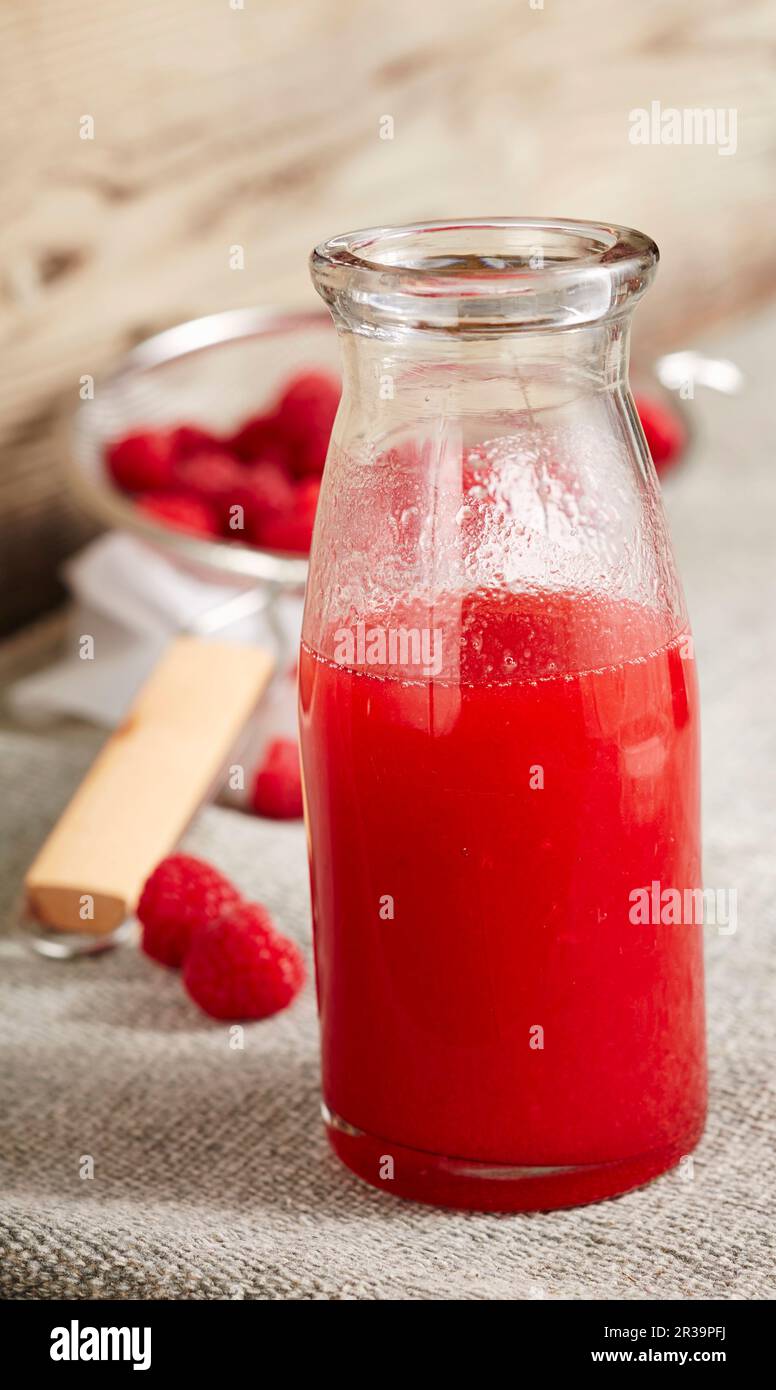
x,y
61,1339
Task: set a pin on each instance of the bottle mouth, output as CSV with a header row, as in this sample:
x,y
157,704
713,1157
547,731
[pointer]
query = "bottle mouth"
x,y
483,275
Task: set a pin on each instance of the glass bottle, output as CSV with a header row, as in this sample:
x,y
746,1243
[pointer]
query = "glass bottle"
x,y
499,728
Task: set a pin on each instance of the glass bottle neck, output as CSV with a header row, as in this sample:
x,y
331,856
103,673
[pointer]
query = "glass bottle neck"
x,y
423,375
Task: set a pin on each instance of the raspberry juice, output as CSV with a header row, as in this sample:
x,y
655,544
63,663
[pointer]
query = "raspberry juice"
x,y
496,1031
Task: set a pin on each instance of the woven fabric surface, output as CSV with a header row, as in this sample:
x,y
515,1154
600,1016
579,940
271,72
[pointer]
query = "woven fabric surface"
x,y
212,1178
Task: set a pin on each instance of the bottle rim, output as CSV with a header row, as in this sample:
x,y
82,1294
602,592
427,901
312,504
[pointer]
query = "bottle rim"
x,y
485,275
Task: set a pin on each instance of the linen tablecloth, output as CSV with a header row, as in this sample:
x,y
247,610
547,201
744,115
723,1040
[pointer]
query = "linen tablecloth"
x,y
212,1178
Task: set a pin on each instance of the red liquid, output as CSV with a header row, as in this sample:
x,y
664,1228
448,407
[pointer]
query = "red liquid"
x,y
510,902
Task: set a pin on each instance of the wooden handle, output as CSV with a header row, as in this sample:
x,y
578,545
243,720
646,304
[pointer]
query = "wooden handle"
x,y
142,790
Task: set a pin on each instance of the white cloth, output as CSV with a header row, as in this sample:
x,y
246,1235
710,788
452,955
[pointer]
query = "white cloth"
x,y
131,600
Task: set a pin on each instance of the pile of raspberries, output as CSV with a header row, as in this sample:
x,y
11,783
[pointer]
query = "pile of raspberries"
x,y
258,486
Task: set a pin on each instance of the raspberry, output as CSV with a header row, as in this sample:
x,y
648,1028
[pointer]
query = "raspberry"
x,y
181,511
293,530
665,432
277,787
215,477
141,462
259,438
264,492
189,440
182,895
241,968
305,416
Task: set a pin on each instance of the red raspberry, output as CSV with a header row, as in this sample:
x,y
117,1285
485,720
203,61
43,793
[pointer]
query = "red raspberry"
x,y
293,530
215,477
189,440
259,438
277,788
241,968
182,895
665,432
141,462
275,455
264,492
182,512
305,415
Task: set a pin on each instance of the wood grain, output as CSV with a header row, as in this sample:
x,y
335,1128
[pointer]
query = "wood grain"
x,y
261,126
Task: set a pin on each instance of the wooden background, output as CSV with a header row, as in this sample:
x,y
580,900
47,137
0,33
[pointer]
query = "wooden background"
x,y
259,124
